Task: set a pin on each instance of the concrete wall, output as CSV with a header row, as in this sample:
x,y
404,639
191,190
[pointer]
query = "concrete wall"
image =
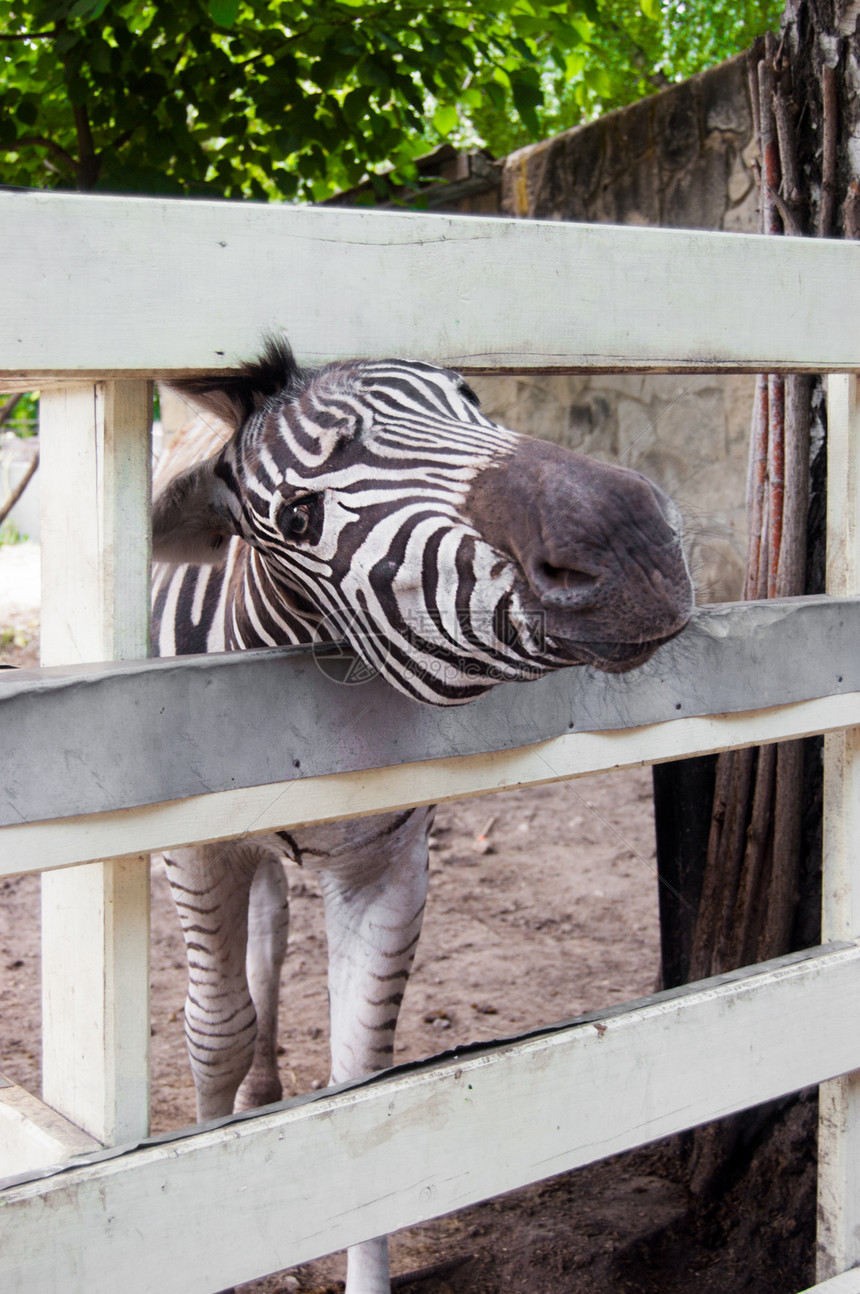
x,y
681,158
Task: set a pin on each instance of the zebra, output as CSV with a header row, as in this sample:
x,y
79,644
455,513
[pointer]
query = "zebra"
x,y
372,501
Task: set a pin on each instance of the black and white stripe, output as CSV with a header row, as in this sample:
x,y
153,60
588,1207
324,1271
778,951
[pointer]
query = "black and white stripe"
x,y
383,455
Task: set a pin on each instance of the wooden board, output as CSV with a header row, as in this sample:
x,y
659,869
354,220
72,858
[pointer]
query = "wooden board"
x,y
226,814
96,739
32,1135
839,1101
95,593
172,285
847,1283
265,1193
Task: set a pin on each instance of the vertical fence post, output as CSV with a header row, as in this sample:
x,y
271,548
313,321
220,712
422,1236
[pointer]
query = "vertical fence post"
x,y
95,606
839,1100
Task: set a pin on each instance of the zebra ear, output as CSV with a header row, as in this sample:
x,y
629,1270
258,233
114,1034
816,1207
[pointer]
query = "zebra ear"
x,y
230,401
191,517
233,397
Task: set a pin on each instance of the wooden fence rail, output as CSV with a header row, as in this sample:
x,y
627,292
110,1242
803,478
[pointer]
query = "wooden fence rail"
x,y
388,1154
111,292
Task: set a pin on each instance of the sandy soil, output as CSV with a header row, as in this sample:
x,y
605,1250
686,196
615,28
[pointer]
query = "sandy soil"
x,y
557,917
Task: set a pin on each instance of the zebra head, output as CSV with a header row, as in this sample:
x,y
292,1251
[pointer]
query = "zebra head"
x,y
378,505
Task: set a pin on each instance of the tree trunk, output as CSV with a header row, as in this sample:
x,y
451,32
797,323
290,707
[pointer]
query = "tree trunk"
x,y
755,884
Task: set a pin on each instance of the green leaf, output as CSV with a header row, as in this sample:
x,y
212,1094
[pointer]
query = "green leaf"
x,y
574,63
496,94
356,104
151,87
446,118
100,56
66,39
598,80
527,97
8,134
224,12
88,9
652,9
373,71
27,112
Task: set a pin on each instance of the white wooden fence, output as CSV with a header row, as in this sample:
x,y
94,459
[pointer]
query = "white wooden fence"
x,y
100,296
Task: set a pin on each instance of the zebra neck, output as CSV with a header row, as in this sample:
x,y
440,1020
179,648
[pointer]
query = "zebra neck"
x,y
261,610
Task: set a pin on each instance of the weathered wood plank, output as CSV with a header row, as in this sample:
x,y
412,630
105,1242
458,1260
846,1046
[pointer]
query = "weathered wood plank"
x,y
98,739
839,1100
847,1283
95,595
304,1179
229,814
32,1135
172,286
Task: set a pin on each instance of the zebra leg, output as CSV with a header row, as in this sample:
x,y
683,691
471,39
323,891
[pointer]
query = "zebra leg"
x,y
211,886
374,905
268,925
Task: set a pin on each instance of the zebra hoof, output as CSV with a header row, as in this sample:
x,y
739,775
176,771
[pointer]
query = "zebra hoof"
x,y
258,1089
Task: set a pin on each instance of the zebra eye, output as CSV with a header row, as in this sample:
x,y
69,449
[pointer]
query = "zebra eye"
x,y
295,518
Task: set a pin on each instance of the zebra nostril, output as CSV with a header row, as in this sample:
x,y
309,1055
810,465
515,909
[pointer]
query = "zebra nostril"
x,y
566,578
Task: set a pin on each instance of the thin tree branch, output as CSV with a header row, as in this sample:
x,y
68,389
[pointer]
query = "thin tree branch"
x,y
8,408
851,211
27,35
790,223
775,476
723,864
781,901
742,934
756,478
787,150
769,145
42,141
283,39
730,861
753,59
122,138
88,164
791,573
830,111
19,489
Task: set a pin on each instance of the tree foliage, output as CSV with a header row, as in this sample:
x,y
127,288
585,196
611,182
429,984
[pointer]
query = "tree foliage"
x,y
267,98
285,98
630,49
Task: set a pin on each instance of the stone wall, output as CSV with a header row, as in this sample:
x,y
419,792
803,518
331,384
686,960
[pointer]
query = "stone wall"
x,y
682,158
687,432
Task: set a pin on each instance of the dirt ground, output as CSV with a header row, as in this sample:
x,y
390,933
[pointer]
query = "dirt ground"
x,y
557,917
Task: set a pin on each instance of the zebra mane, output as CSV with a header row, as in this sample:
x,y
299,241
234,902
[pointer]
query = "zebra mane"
x,y
233,397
